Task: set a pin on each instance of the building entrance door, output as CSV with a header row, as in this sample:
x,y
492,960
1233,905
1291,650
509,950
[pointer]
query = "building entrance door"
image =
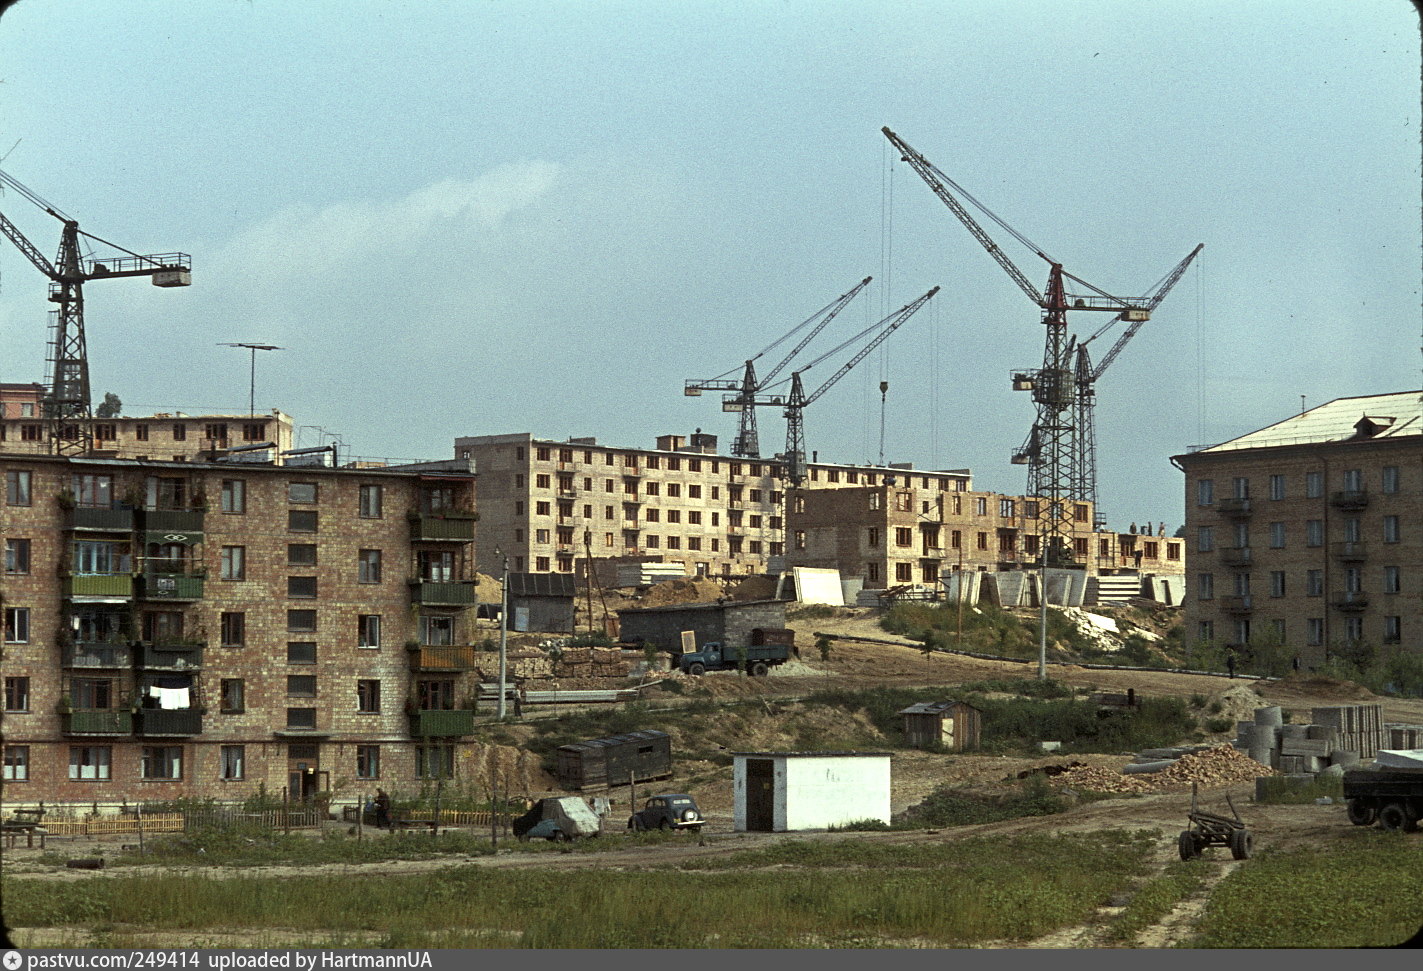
x,y
760,795
301,772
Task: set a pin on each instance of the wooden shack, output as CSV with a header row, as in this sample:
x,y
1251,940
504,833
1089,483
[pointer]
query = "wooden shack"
x,y
615,760
956,725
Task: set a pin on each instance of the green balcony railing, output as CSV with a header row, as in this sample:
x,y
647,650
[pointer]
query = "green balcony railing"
x,y
456,594
97,655
94,517
173,520
441,724
177,657
171,586
437,528
169,721
99,585
98,723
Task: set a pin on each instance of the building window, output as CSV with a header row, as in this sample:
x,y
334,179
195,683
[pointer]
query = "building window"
x,y
234,496
302,520
299,719
369,566
17,694
1390,479
17,487
367,761
140,433
1205,631
253,431
31,433
162,762
301,554
872,536
17,625
17,556
234,759
1277,487
368,630
1392,629
301,588
903,536
93,491
1391,580
1205,586
542,481
301,492
1353,629
180,432
370,504
1205,492
437,630
301,686
903,572
435,761
1079,513
232,696
1353,480
233,563
1007,508
1314,532
982,541
234,629
980,506
1314,583
106,432
1390,529
1277,583
1173,551
1313,485
1241,487
17,763
90,763
368,696
1277,536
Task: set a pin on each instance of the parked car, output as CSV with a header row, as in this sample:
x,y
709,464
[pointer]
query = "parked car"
x,y
558,818
668,811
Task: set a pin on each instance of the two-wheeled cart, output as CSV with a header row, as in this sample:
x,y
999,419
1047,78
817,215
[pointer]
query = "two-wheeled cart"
x,y
1209,829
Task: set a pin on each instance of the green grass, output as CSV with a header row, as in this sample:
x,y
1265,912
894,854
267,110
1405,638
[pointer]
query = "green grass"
x,y
1362,890
821,894
1155,900
1282,789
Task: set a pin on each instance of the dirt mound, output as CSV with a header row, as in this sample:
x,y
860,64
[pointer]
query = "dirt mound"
x,y
505,767
754,588
1239,701
683,591
1319,686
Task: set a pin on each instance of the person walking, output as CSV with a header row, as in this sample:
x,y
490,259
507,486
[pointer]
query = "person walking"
x,y
1230,664
382,809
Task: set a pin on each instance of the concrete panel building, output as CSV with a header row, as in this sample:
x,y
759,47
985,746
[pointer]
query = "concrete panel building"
x,y
778,792
1304,533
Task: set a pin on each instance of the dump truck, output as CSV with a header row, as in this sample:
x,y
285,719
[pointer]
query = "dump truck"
x,y
1391,795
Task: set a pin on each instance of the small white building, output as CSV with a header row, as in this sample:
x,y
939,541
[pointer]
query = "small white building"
x,y
778,792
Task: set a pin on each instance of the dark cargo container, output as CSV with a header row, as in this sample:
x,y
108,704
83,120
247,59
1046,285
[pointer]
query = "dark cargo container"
x,y
616,760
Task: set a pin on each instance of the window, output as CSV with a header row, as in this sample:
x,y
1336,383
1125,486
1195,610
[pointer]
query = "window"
x,y
233,761
234,629
140,433
1277,536
1353,629
90,763
370,502
301,554
1205,492
17,763
982,541
1079,513
1007,508
368,630
102,558
542,509
1314,583
106,431
1173,551
233,563
367,761
1353,480
1241,487
17,556
1205,586
542,481
180,432
872,572
1392,629
301,520
903,572
1205,631
301,588
675,516
1390,479
31,433
1390,529
437,630
1391,583
1205,539
301,492
17,694
92,694
216,431
1352,532
654,516
368,696
1277,487
1313,485
162,762
234,496
1277,583
368,568
435,761
17,625
253,431
17,487
299,719
93,491
903,536
1314,532
232,696
301,686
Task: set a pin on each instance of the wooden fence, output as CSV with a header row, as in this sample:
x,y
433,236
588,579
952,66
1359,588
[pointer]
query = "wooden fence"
x,y
112,825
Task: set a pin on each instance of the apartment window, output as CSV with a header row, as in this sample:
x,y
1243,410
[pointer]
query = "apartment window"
x,y
234,629
368,696
653,542
1389,482
655,515
1079,513
17,487
1391,582
1007,508
1314,583
982,542
301,554
438,566
1314,532
217,432
1205,631
17,694
1277,487
1390,529
301,652
1353,480
17,556
1205,492
17,625
301,620
1392,630
675,516
301,718
542,454
872,572
1277,583
437,630
233,563
872,536
234,758
370,502
1352,531
106,431
17,763
232,696
368,630
542,481
1353,629
301,520
903,536
695,543
162,762
1277,536
1313,485
903,572
1205,586
93,491
302,588
1173,551
1353,579
234,496
90,763
180,433
435,761
367,761
369,566
301,492
301,686
1241,487
253,431
542,509
140,433
541,564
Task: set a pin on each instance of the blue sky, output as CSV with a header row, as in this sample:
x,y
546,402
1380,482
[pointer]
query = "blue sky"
x,y
482,217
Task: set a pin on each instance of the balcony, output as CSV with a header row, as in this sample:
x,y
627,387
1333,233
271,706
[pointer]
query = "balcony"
x,y
171,586
1236,555
453,594
108,585
99,519
1349,499
97,723
172,520
441,724
456,657
170,656
97,655
169,721
1351,552
447,528
1237,605
1352,602
1235,508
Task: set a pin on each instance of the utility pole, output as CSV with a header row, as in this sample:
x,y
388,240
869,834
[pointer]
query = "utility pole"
x,y
252,382
503,627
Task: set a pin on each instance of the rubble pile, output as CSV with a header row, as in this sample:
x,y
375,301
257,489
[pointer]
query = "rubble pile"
x,y
1209,768
591,662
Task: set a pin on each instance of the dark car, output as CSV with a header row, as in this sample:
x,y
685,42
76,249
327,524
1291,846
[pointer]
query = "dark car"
x,y
668,811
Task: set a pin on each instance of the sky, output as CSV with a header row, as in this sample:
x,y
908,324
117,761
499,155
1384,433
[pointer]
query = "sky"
x,y
468,218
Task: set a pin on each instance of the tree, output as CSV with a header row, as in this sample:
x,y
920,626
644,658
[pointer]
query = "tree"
x,y
111,407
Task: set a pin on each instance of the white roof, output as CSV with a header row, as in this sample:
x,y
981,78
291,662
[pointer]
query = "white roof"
x,y
1377,416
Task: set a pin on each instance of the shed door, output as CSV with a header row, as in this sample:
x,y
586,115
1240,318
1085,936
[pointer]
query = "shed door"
x,y
946,731
760,795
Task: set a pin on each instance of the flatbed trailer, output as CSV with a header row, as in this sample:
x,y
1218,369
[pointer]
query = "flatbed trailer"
x,y
1391,797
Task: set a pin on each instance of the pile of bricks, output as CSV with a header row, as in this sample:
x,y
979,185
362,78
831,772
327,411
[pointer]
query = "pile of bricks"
x,y
591,662
1404,736
1208,768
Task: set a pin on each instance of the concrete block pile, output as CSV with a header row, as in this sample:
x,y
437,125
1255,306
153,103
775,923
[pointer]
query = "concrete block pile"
x,y
1336,738
1404,736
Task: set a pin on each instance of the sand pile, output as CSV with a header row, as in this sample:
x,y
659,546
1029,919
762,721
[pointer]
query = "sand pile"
x,y
690,590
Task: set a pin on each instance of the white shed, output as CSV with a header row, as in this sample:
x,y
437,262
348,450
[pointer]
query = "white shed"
x,y
779,792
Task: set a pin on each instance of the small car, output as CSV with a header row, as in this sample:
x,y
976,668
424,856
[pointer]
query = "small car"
x,y
670,810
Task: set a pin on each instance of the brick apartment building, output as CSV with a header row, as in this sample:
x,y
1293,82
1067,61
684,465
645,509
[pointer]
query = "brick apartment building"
x,y
202,629
1305,533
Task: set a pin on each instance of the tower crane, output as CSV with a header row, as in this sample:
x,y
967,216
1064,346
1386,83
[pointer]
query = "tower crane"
x,y
1052,449
747,444
795,402
67,405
